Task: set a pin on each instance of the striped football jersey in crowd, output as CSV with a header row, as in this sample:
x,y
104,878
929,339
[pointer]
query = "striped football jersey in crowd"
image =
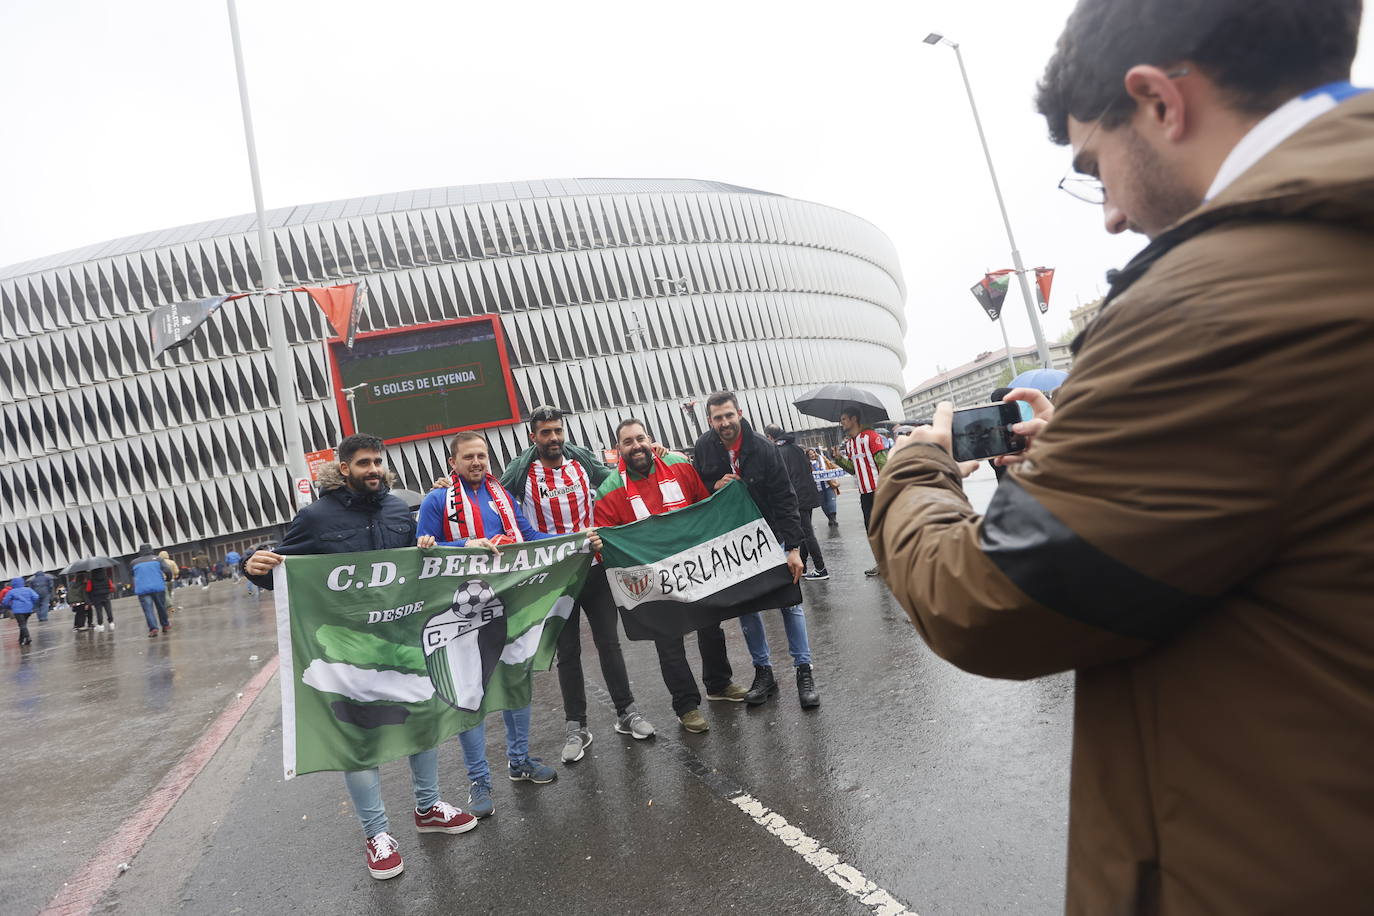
x,y
860,450
559,500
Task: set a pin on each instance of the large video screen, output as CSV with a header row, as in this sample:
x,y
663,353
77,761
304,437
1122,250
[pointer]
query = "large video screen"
x,y
427,380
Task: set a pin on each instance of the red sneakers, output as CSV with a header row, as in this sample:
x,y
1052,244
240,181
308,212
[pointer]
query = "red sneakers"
x,y
383,859
443,818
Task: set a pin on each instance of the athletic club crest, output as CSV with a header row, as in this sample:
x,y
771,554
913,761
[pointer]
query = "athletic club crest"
x,y
634,584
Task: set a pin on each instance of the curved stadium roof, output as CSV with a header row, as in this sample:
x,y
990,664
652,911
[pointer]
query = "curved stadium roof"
x,y
453,196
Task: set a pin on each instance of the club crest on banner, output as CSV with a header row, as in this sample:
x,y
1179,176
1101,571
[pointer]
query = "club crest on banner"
x,y
634,584
461,650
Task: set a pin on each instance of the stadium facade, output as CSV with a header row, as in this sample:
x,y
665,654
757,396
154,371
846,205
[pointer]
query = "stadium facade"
x,y
617,297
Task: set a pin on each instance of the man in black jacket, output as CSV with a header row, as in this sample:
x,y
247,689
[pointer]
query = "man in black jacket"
x,y
808,497
358,512
731,450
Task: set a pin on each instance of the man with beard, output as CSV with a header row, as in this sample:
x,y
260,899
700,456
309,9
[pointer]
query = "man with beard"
x,y
731,450
647,484
555,483
863,454
357,512
476,511
1191,530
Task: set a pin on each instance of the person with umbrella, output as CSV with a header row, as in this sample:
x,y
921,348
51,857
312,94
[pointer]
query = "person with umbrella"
x,y
863,454
95,587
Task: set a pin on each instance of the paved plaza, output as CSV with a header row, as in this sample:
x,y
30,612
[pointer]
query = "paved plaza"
x,y
913,782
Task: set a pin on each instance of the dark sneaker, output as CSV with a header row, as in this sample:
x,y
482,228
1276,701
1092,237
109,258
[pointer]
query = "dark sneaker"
x,y
167,629
579,739
806,688
730,693
479,800
383,858
871,572
816,575
763,687
443,818
694,721
532,769
635,725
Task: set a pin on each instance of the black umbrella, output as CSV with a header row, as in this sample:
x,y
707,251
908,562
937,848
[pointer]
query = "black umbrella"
x,y
410,497
89,564
827,401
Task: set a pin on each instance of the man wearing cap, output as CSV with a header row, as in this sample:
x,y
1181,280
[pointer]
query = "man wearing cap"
x,y
555,484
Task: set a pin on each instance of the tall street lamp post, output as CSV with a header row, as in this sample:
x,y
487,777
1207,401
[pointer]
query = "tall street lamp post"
x,y
284,364
935,38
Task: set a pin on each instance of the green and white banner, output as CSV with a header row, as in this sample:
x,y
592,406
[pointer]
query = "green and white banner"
x,y
674,573
388,653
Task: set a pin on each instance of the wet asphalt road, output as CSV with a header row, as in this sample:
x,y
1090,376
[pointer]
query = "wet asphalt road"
x,y
946,790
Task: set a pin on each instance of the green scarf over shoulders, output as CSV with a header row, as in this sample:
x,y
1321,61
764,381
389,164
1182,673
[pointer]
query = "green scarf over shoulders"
x,y
518,471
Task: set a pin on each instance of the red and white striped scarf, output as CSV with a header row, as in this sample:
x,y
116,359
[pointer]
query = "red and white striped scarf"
x,y
669,488
463,517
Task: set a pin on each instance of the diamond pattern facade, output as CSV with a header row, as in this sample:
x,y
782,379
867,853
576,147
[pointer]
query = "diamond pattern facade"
x,y
103,448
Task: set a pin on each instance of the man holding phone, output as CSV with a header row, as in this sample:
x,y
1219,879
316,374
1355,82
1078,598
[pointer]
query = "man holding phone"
x,y
1191,528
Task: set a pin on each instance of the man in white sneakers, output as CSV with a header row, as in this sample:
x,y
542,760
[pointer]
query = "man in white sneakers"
x,y
555,483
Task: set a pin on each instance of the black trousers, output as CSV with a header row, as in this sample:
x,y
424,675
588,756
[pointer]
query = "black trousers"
x,y
596,603
102,604
866,504
23,621
677,673
810,547
85,615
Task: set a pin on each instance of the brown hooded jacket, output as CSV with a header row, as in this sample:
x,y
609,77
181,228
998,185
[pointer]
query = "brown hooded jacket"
x,y
1194,534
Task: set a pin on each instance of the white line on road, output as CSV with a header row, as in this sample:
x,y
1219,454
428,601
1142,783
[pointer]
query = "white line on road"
x,y
845,876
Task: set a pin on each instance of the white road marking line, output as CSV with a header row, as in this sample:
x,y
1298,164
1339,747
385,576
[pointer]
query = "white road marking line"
x,y
843,875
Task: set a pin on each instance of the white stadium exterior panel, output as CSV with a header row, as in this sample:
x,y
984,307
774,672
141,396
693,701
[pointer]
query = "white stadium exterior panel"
x,y
103,448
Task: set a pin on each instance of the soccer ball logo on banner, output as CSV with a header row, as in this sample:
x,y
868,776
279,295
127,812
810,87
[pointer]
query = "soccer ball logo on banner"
x,y
462,647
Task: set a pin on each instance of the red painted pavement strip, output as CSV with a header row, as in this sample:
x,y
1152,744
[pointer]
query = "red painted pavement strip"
x,y
84,889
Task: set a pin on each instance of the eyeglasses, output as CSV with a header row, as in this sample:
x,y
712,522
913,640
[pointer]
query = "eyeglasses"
x,y
1085,187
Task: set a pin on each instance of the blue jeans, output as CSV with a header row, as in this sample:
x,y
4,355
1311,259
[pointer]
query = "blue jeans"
x,y
474,742
828,500
44,604
365,787
156,601
793,621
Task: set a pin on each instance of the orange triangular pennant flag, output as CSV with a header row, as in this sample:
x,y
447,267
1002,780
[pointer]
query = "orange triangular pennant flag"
x,y
342,305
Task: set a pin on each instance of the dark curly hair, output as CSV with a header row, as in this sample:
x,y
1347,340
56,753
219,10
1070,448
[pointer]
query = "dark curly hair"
x,y
359,442
1261,52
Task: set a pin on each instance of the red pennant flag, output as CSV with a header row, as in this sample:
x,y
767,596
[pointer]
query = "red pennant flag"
x,y
1044,276
342,306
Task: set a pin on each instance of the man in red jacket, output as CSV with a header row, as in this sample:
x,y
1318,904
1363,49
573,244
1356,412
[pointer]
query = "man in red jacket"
x,y
648,485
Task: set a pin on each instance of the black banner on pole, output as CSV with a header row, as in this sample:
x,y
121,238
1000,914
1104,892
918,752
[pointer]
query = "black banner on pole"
x,y
172,325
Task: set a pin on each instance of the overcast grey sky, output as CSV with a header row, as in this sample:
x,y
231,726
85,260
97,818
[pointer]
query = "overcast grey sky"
x,y
123,117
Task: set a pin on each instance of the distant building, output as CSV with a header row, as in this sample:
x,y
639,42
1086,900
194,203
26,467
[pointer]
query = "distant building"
x,y
1083,314
971,383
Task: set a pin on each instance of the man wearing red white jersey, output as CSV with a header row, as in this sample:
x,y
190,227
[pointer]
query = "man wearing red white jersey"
x,y
863,454
555,483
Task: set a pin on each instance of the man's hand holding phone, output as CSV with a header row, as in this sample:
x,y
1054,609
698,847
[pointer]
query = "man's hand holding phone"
x,y
1042,410
937,433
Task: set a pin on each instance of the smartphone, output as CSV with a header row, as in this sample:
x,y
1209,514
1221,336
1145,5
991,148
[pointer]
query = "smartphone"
x,y
985,432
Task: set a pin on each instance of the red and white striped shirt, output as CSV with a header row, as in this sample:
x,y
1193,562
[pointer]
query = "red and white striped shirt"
x,y
860,450
558,500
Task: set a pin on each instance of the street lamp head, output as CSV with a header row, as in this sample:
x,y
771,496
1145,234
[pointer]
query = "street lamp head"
x,y
934,38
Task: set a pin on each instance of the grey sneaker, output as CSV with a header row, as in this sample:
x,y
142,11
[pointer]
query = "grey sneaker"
x,y
579,739
632,723
532,769
479,800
